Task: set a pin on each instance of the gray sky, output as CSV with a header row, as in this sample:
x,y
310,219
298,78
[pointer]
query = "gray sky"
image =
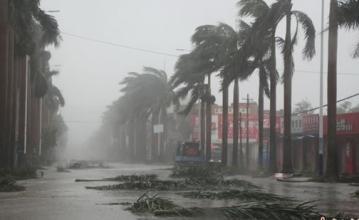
x,y
91,71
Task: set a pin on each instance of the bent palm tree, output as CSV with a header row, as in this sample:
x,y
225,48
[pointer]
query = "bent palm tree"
x,y
193,68
308,53
266,27
148,94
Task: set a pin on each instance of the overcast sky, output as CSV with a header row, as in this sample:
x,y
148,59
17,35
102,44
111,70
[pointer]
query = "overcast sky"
x,y
91,71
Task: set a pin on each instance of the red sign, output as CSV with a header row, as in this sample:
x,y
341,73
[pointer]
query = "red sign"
x,y
252,127
310,124
266,122
347,124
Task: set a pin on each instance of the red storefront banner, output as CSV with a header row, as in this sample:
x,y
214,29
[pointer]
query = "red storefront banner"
x,y
195,125
347,124
266,122
310,124
252,127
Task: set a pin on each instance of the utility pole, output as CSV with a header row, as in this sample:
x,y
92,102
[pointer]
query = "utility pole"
x,y
321,144
247,135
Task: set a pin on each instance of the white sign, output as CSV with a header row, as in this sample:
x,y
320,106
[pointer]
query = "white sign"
x,y
159,128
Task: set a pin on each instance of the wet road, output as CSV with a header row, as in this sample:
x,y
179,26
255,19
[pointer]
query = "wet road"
x,y
331,198
58,197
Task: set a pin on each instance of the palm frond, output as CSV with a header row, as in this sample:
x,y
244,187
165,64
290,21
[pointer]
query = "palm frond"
x,y
203,33
56,92
309,33
193,99
253,8
160,73
348,13
50,27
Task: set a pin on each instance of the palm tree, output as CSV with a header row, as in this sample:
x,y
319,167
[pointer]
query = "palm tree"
x,y
25,18
53,125
263,54
344,13
308,52
34,30
263,89
331,171
189,82
193,68
266,27
149,93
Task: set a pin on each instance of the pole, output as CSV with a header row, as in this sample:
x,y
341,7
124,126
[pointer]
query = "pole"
x,y
247,138
240,142
321,144
159,137
209,122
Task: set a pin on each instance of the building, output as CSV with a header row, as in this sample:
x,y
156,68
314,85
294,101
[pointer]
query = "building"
x,y
305,137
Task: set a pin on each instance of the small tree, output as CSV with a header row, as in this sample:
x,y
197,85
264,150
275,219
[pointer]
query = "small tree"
x,y
303,106
345,107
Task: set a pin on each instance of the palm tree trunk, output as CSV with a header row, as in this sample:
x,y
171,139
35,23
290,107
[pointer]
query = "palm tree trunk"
x,y
203,125
4,34
332,160
154,121
288,71
209,122
273,110
235,123
141,140
241,155
131,139
225,126
163,135
260,118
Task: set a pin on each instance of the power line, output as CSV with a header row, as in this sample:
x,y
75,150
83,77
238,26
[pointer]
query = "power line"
x,y
120,45
314,72
164,53
338,101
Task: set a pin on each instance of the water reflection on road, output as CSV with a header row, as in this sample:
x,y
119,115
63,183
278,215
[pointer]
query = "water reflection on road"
x,y
58,197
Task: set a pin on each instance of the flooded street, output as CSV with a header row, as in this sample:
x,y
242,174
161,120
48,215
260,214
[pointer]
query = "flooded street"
x,y
57,196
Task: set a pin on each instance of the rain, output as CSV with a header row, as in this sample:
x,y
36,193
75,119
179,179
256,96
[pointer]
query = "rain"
x,y
135,109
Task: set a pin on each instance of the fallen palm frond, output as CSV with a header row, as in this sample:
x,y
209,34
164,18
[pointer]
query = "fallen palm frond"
x,y
275,211
147,203
236,194
159,185
160,207
196,171
239,183
8,184
177,185
123,178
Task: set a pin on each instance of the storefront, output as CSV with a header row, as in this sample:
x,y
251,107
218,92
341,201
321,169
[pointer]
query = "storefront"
x,y
347,142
